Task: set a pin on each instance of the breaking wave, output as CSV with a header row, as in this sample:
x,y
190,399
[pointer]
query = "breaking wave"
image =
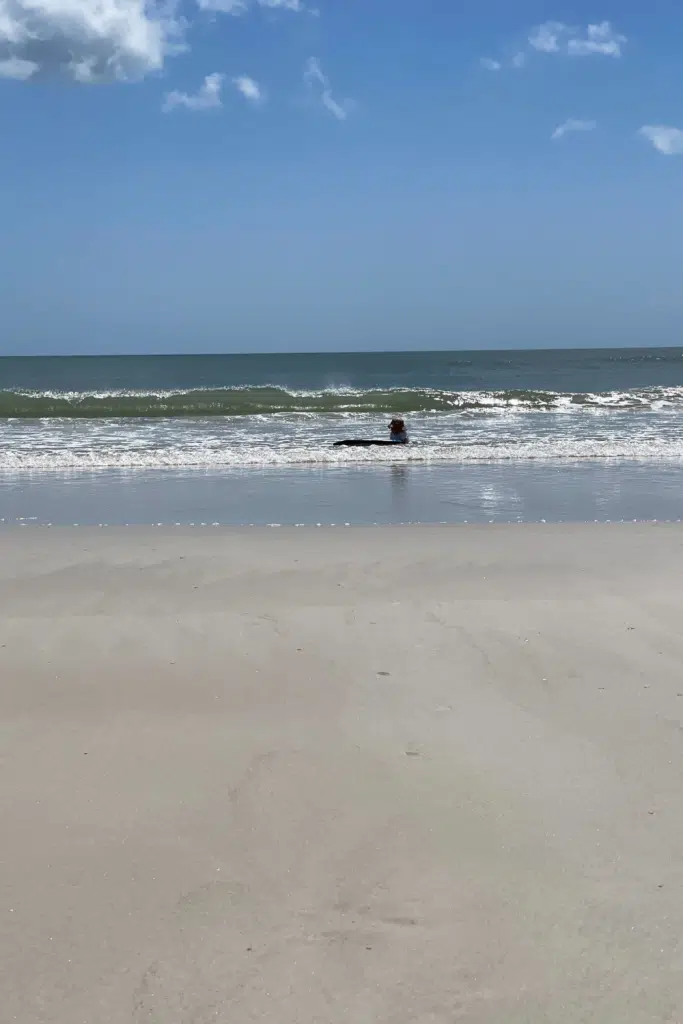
x,y
265,401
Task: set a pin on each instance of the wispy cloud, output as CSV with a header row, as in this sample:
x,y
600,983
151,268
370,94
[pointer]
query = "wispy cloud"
x,y
664,138
546,38
284,5
87,40
316,79
240,7
573,125
517,61
17,67
208,96
600,39
249,88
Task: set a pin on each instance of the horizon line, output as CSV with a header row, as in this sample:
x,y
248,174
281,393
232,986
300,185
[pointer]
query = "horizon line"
x,y
335,352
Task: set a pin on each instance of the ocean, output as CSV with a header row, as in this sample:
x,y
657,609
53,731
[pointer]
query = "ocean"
x,y
81,435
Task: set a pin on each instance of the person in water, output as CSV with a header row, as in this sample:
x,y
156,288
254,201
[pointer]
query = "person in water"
x,y
397,432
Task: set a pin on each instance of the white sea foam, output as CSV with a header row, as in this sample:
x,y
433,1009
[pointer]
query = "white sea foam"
x,y
306,439
270,399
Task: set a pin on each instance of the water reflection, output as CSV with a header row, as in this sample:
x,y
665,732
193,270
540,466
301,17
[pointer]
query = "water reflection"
x,y
400,496
411,493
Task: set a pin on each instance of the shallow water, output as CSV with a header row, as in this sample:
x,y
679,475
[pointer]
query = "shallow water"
x,y
528,492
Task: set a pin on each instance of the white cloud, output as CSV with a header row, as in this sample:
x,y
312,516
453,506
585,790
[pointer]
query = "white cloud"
x,y
15,67
665,139
314,73
207,98
519,60
339,110
491,65
236,7
315,78
86,40
249,88
240,7
546,38
573,125
600,39
283,5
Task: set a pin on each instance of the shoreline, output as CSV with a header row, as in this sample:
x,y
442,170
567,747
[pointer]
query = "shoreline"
x,y
423,773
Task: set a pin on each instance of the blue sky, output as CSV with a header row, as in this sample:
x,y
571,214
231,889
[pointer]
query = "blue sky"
x,y
344,174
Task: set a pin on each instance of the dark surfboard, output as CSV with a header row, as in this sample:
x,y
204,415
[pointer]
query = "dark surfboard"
x,y
366,443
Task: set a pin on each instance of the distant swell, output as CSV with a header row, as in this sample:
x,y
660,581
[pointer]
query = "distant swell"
x,y
265,401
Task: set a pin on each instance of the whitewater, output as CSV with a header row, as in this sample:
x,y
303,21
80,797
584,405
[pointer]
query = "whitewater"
x,y
273,427
224,412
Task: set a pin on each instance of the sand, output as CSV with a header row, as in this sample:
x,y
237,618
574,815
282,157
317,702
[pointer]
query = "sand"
x,y
425,775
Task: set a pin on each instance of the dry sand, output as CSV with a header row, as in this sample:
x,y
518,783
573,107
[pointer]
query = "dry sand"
x,y
411,775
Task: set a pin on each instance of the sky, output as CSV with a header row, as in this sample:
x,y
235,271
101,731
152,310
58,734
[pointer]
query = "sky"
x,y
279,175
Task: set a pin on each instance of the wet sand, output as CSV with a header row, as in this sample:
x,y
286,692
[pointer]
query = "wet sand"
x,y
355,775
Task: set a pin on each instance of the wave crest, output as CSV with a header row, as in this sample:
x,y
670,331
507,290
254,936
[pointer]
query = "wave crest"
x,y
271,400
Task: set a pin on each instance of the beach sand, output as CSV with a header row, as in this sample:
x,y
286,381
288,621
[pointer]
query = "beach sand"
x,y
371,776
